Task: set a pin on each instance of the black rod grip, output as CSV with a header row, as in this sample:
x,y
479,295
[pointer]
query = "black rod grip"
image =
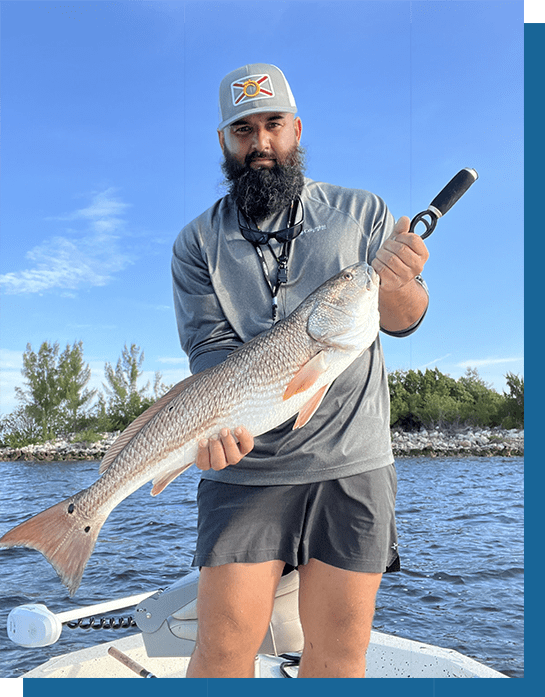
x,y
454,190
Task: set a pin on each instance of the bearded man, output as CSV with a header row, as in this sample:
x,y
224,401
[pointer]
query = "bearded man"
x,y
320,499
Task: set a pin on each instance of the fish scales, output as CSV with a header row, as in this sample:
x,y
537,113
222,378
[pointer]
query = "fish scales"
x,y
241,391
280,373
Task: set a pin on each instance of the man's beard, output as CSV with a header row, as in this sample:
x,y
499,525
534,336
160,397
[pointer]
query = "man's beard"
x,y
260,193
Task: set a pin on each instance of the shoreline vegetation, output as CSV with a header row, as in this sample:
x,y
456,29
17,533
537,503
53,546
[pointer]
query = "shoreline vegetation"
x,y
436,442
59,418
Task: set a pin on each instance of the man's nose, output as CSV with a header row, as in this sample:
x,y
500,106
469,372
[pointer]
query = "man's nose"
x,y
260,140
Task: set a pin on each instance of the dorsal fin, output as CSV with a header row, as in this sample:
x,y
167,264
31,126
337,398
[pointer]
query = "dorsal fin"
x,y
138,424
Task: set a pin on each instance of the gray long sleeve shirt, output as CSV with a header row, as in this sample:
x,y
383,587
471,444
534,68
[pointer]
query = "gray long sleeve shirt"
x,y
222,301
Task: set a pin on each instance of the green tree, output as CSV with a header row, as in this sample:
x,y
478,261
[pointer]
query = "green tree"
x,y
513,403
41,397
431,398
399,398
54,396
18,429
74,375
483,406
125,399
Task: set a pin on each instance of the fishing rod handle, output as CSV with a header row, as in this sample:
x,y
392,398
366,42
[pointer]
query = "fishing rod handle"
x,y
130,663
453,191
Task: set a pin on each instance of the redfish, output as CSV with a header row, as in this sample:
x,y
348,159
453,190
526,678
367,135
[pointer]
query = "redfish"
x,y
282,372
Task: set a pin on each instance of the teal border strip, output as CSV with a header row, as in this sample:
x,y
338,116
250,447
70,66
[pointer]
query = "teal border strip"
x,y
534,229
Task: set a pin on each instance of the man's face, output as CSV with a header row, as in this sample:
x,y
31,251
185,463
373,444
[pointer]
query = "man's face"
x,y
261,140
263,163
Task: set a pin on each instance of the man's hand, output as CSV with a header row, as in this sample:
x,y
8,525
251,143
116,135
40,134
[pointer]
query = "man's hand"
x,y
218,452
401,257
401,300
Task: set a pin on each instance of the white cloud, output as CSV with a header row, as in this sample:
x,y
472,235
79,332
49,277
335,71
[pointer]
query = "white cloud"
x,y
174,360
104,207
483,362
435,360
71,263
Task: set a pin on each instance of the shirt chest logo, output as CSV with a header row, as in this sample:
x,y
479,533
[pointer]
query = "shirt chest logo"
x,y
314,229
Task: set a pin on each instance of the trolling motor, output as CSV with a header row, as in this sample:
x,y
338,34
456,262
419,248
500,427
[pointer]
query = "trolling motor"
x,y
166,617
34,625
444,201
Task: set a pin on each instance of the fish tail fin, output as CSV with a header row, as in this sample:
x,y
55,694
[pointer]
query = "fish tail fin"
x,y
63,534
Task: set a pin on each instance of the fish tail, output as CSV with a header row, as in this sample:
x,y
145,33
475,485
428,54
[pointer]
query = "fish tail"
x,y
63,534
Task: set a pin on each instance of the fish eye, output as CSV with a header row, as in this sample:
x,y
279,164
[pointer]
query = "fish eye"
x,y
348,276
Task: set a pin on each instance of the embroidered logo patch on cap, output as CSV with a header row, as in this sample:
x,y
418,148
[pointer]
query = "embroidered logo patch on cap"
x,y
252,87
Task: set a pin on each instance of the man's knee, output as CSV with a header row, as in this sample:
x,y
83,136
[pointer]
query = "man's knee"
x,y
226,634
225,650
234,606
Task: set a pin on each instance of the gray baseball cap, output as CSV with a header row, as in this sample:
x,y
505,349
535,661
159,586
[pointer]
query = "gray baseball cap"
x,y
252,89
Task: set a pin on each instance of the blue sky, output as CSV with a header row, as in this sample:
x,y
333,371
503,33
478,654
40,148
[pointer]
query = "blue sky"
x,y
109,146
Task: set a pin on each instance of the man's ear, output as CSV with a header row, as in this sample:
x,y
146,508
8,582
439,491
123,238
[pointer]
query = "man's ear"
x,y
221,136
298,128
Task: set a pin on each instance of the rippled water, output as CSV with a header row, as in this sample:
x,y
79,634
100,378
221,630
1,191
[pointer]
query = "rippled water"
x,y
460,525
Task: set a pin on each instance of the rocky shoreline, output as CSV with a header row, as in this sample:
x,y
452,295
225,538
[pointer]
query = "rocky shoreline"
x,y
459,442
462,442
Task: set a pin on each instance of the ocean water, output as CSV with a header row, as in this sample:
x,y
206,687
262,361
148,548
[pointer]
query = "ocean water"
x,y
460,527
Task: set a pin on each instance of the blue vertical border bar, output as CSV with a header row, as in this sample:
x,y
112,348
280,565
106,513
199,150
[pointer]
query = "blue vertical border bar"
x,y
534,231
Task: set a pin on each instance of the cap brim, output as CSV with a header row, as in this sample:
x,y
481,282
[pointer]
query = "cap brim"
x,y
258,110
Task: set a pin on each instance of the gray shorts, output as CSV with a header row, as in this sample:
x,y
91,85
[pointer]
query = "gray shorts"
x,y
348,523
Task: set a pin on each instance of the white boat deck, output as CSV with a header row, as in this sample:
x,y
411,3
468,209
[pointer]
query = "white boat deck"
x,y
387,657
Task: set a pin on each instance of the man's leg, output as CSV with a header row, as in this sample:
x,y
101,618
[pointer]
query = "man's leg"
x,y
336,609
234,607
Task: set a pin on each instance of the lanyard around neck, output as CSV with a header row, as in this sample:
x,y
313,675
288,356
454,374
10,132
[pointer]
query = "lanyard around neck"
x,y
282,276
282,261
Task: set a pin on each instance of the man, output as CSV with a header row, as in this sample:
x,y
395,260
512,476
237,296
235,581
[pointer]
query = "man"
x,y
320,498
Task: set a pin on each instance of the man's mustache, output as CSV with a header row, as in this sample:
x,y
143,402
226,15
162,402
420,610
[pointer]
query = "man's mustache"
x,y
258,156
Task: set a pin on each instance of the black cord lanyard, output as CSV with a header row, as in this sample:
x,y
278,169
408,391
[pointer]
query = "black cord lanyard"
x,y
282,261
282,276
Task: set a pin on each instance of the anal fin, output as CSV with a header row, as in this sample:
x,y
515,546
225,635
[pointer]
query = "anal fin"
x,y
163,480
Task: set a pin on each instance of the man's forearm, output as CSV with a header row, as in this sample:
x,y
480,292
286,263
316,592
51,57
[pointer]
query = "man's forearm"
x,y
401,308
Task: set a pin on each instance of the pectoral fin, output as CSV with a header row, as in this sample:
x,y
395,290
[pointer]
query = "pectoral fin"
x,y
307,375
310,407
